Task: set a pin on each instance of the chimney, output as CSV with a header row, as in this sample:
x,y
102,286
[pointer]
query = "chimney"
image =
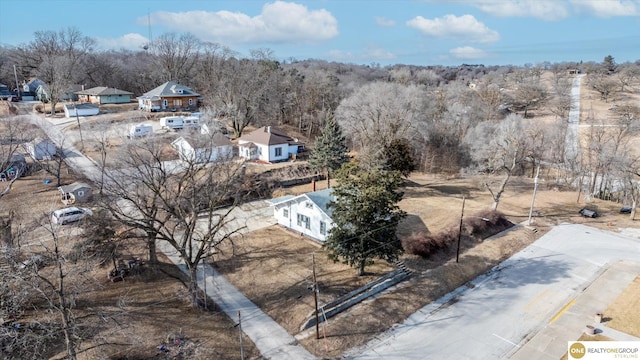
x,y
269,129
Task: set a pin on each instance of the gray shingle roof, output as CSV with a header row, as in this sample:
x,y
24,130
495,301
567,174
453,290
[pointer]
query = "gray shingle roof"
x,y
170,88
103,91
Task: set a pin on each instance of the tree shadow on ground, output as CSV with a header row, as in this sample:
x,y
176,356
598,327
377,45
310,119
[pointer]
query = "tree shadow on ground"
x,y
411,223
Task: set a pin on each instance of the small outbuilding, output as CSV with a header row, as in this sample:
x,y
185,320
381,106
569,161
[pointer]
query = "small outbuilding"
x,y
77,192
73,110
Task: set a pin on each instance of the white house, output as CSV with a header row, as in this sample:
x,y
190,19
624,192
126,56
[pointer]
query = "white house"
x,y
308,214
41,149
268,144
73,110
203,148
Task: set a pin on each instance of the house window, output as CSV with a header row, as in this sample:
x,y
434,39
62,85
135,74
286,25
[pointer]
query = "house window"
x,y
164,103
309,205
302,219
190,102
285,213
80,193
177,102
278,151
323,228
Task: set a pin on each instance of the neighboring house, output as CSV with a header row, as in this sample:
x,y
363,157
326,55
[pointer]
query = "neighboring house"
x,y
41,149
203,148
73,110
104,95
308,214
69,94
32,85
268,144
169,96
77,192
14,168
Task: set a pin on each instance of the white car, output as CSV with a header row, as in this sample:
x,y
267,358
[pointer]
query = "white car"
x,y
69,215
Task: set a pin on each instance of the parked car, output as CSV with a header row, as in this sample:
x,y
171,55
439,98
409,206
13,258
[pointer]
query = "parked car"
x,y
13,98
626,210
69,215
588,213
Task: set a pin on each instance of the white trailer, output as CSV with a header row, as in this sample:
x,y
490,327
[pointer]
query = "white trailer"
x,y
140,130
172,122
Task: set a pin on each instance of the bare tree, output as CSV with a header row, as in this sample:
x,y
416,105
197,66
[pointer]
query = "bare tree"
x,y
378,113
499,149
606,86
176,55
189,206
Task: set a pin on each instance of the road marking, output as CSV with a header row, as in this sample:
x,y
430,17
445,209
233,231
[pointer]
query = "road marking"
x,y
565,308
501,338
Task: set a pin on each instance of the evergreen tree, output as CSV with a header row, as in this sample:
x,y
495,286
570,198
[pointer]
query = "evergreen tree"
x,y
399,154
365,215
329,151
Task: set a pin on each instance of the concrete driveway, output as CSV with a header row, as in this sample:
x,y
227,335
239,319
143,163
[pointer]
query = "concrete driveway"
x,y
502,310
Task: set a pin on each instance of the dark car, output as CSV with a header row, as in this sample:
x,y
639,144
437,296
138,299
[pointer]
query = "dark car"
x,y
588,213
625,210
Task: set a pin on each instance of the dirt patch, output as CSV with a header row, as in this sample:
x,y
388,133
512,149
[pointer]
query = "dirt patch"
x,y
623,312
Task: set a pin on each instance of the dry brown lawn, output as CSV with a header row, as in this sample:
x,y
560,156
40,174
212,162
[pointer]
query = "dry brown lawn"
x,y
624,312
273,266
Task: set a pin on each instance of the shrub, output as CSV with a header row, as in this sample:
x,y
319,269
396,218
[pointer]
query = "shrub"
x,y
478,226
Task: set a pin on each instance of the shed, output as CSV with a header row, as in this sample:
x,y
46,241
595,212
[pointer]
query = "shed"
x,y
72,110
77,192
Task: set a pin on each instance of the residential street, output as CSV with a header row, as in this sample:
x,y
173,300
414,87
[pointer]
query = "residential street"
x,y
503,309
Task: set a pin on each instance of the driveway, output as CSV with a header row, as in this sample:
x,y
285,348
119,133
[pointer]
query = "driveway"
x,y
499,312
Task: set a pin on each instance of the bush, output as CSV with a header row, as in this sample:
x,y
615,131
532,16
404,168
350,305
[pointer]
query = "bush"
x,y
478,226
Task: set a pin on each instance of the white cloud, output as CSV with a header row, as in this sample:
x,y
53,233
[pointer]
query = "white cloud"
x,y
384,22
541,9
467,53
279,22
608,8
129,41
463,28
551,10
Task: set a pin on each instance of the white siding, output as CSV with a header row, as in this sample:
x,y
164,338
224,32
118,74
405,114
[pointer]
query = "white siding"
x,y
297,206
284,152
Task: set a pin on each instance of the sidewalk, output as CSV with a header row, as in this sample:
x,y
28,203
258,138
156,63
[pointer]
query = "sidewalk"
x,y
551,341
273,341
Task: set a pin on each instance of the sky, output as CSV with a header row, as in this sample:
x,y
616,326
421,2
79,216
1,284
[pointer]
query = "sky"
x,y
384,32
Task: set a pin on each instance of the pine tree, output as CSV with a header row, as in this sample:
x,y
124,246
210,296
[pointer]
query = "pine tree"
x,y
329,151
365,215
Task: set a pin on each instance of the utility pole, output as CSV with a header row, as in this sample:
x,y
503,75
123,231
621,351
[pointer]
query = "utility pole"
x,y
315,295
533,199
460,230
15,73
240,332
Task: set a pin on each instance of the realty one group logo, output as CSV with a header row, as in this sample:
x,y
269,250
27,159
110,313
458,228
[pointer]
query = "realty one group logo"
x,y
603,350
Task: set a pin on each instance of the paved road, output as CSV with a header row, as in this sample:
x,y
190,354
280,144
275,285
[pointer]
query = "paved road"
x,y
503,309
571,142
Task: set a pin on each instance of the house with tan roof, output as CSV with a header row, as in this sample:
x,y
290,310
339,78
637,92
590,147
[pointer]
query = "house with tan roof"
x,y
104,95
268,144
169,96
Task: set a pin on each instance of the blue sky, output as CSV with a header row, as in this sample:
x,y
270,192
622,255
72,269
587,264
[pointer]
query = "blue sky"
x,y
419,32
